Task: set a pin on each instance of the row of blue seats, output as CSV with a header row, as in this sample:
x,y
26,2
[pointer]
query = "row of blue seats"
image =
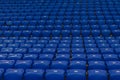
x,y
100,19
51,74
109,38
58,33
62,15
17,9
62,11
64,20
64,5
66,43
14,10
43,64
61,6
64,8
65,12
93,20
62,1
74,45
59,27
61,57
64,38
57,24
61,50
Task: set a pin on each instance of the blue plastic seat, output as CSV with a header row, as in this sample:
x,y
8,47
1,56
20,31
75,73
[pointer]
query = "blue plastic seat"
x,y
94,57
41,64
36,33
20,50
16,33
107,50
6,50
49,51
46,57
3,45
14,56
110,57
53,41
116,32
13,74
30,41
90,45
22,27
113,41
30,56
63,50
75,33
55,74
35,39
65,33
112,65
78,57
106,32
77,45
54,38
97,75
23,64
7,33
3,56
95,33
56,33
85,33
114,74
78,50
8,41
21,41
46,33
117,50
115,45
38,46
64,45
87,41
13,45
103,45
92,50
59,65
26,33
51,46
73,74
22,45
96,65
101,42
5,64
62,57
34,50
34,74
65,42
78,65
77,41
13,38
